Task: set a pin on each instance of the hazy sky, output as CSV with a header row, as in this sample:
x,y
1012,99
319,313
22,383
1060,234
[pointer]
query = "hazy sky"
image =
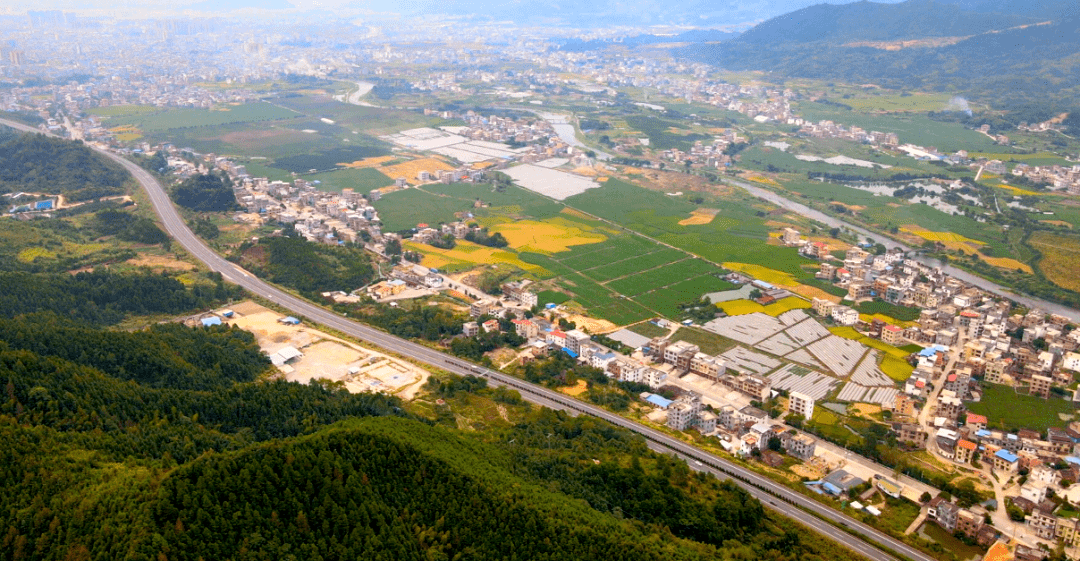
x,y
620,12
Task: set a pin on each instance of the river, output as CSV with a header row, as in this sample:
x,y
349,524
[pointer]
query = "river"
x,y
362,89
565,129
989,286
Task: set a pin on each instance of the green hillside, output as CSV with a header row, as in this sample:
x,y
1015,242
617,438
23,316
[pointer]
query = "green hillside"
x,y
987,56
102,459
39,164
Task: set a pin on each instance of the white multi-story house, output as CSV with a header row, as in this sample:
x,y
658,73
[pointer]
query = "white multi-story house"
x,y
801,404
845,315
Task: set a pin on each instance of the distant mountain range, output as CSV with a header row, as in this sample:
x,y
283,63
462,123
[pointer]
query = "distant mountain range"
x,y
569,13
598,13
997,49
867,21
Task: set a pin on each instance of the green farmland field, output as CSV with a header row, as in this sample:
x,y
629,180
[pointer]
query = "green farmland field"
x,y
189,118
361,180
665,300
914,128
634,264
663,276
1004,408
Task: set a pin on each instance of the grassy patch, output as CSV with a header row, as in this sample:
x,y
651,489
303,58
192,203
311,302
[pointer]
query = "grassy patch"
x,y
1004,408
362,180
709,343
633,265
666,300
662,276
551,297
648,329
897,515
958,548
898,313
661,132
182,118
405,209
920,102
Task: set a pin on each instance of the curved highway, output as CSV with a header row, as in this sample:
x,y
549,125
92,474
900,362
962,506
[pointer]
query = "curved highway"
x,y
826,520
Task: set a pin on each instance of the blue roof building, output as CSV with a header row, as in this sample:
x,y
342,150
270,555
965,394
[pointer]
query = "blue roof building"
x,y
659,401
1005,460
290,321
207,322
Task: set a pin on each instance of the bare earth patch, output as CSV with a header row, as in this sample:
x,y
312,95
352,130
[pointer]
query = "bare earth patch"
x,y
593,325
326,357
160,262
577,389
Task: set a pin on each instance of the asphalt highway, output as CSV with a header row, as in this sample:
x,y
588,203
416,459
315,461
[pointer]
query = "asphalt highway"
x,y
845,530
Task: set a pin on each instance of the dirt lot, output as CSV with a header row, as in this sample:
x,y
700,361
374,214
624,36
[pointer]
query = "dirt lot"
x,y
577,389
327,357
160,263
593,325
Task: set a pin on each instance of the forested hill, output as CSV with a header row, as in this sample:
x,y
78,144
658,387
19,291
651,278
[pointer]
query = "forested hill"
x,y
36,163
1010,67
868,21
163,443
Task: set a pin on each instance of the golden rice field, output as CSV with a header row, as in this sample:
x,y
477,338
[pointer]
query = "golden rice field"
x,y
743,307
549,236
937,236
699,217
1008,263
411,169
1060,258
766,274
367,162
468,255
956,242
1058,223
